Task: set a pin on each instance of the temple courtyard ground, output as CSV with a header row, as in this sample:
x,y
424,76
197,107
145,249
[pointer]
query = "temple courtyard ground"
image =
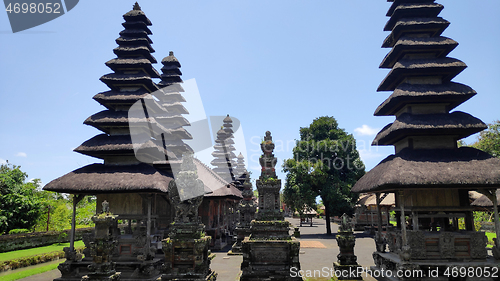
x,y
318,251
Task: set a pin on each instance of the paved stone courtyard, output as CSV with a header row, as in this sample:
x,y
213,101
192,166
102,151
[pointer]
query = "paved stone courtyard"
x,y
317,251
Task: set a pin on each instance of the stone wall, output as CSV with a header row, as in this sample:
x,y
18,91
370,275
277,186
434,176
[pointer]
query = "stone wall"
x,y
37,239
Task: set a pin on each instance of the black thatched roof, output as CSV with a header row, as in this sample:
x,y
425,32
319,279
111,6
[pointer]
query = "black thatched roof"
x,y
120,63
484,201
103,145
452,93
117,80
446,68
144,51
464,167
100,178
431,26
457,123
403,10
396,3
438,46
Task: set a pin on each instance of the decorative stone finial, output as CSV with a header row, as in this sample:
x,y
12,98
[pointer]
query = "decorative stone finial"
x,y
105,206
267,160
171,53
137,7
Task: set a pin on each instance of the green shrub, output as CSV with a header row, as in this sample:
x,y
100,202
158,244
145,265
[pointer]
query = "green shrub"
x,y
33,260
18,230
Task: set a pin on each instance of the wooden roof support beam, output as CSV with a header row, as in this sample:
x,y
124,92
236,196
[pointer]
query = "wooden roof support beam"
x,y
76,198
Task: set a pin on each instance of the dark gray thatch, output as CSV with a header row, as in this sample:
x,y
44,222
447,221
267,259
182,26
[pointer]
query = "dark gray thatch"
x,y
100,178
119,64
136,14
431,26
111,99
398,2
484,201
451,93
413,10
438,46
457,123
115,81
103,145
446,68
464,167
122,51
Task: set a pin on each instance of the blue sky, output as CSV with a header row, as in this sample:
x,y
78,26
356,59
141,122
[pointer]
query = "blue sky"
x,y
274,65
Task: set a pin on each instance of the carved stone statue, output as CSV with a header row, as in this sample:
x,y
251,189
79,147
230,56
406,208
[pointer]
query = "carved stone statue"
x,y
187,233
105,206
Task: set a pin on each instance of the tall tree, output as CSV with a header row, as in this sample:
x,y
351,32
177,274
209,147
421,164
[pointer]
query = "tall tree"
x,y
489,140
326,163
20,203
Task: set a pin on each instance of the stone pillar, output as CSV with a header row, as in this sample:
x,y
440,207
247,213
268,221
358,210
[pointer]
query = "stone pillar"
x,y
347,262
102,248
246,210
269,253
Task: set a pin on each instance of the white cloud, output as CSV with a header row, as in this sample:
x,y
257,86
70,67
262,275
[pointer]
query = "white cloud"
x,y
21,154
366,130
2,161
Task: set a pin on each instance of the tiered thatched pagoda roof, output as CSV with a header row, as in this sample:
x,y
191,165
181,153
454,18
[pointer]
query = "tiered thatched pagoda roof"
x,y
130,82
425,132
171,98
224,151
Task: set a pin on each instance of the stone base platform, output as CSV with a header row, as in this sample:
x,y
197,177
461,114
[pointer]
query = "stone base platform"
x,y
269,259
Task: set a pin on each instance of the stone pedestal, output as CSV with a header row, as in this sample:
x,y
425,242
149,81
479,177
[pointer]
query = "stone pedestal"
x,y
270,252
187,254
347,266
101,250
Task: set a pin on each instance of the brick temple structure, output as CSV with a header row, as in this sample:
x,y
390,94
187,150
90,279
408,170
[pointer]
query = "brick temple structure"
x,y
429,175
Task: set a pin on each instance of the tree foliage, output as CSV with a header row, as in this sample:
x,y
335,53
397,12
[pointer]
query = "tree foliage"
x,y
489,140
20,203
326,163
23,205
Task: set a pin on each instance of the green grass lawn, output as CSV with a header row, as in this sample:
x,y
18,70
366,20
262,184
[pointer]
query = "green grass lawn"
x,y
29,272
36,251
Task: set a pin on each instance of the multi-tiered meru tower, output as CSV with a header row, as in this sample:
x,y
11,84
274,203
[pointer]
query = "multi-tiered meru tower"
x,y
132,139
429,174
224,151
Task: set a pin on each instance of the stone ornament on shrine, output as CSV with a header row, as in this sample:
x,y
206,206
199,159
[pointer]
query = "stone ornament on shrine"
x,y
269,253
187,254
102,248
246,212
346,240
